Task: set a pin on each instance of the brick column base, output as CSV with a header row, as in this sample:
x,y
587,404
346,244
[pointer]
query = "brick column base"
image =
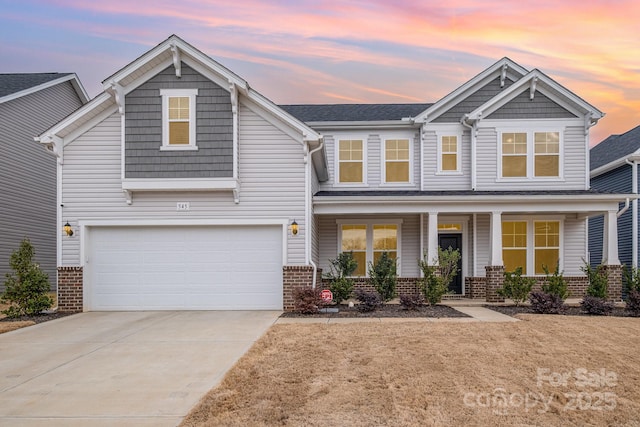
x,y
70,289
614,276
495,280
475,287
296,277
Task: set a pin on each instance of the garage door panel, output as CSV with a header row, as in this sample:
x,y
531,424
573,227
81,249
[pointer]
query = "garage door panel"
x,y
158,268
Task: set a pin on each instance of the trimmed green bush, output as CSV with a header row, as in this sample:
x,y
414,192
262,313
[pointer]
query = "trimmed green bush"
x,y
340,268
516,287
436,279
383,276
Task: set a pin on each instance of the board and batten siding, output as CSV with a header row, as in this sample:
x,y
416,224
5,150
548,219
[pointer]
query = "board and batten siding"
x,y
573,165
28,175
373,160
409,241
271,171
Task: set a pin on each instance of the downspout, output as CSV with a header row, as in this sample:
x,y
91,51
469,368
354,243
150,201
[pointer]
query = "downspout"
x,y
473,129
634,213
307,210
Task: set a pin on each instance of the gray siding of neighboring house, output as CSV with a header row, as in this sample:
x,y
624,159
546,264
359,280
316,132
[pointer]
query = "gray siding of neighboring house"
x,y
214,130
522,107
619,181
28,175
482,95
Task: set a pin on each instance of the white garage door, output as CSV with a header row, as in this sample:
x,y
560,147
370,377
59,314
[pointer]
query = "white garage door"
x,y
184,268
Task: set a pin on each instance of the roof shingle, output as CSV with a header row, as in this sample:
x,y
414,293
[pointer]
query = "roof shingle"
x,y
615,147
353,112
16,82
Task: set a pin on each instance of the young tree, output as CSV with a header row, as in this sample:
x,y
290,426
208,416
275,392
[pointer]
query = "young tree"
x,y
383,276
437,278
26,289
340,268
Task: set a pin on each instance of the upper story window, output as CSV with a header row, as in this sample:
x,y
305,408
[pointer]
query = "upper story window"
x,y
449,154
179,119
397,164
351,161
530,154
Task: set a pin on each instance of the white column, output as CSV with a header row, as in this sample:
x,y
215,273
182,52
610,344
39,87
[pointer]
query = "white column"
x,y
611,235
432,245
496,238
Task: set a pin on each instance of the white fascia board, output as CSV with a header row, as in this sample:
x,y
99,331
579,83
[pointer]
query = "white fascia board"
x,y
179,184
467,88
73,78
615,164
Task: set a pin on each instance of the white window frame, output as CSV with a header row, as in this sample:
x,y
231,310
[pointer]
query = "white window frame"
x,y
171,93
337,139
531,244
439,154
369,223
530,131
383,163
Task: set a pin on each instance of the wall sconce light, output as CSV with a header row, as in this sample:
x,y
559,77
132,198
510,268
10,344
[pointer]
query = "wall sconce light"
x,y
67,229
294,228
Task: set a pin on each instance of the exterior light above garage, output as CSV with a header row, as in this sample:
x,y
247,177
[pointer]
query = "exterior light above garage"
x,y
294,228
67,229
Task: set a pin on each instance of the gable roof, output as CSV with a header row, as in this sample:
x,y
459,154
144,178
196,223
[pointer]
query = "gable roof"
x,y
612,152
310,113
16,85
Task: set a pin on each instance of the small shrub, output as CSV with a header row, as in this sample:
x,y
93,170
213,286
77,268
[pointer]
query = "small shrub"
x,y
369,301
26,289
598,282
340,268
383,276
436,278
411,301
516,287
596,305
307,300
633,303
546,303
555,284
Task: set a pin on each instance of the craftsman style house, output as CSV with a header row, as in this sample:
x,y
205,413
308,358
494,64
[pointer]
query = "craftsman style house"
x,y
187,189
30,103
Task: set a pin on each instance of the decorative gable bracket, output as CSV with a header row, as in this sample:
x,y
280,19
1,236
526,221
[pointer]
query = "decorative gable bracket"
x,y
177,62
532,88
54,144
118,95
503,74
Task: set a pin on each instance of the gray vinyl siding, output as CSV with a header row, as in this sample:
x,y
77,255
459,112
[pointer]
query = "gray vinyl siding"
x,y
271,173
618,180
522,107
444,181
575,250
409,241
314,226
214,130
483,246
573,165
374,161
28,175
473,101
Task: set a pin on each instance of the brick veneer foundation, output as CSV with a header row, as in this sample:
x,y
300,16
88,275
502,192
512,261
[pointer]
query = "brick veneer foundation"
x,y
577,285
614,274
494,281
69,289
404,285
297,277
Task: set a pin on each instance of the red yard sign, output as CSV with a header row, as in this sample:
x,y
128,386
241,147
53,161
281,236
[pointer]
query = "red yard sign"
x,y
326,295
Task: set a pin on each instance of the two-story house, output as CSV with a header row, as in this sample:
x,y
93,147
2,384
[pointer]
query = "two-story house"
x,y
188,189
30,103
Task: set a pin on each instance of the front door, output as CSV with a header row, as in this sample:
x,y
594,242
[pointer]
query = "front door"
x,y
454,241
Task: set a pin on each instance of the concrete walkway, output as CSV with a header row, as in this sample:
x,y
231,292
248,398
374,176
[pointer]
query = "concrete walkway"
x,y
120,368
478,314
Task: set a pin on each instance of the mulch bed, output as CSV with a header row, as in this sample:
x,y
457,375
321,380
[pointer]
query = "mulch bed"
x,y
511,310
38,318
386,310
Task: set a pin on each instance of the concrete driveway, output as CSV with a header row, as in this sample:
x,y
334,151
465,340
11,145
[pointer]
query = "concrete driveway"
x,y
120,368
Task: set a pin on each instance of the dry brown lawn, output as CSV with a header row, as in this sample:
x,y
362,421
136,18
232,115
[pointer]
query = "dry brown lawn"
x,y
542,371
13,325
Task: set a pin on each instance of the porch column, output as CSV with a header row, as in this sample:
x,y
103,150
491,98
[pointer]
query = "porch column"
x,y
610,239
495,270
432,243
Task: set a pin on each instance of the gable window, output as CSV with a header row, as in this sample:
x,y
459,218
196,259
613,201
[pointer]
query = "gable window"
x,y
351,160
178,119
368,240
449,155
514,154
396,154
547,153
530,244
530,154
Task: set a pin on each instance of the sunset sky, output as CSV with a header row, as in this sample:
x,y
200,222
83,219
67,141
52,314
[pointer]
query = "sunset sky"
x,y
365,51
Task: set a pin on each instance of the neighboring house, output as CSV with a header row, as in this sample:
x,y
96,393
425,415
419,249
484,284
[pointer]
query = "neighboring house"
x,y
183,185
29,105
614,168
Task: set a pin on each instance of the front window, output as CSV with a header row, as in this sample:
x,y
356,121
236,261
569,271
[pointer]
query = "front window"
x,y
368,242
449,154
531,245
350,163
397,160
547,245
178,119
514,245
514,155
547,154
